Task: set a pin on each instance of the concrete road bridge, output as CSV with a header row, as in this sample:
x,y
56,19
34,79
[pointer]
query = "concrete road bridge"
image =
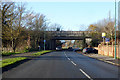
x,y
67,35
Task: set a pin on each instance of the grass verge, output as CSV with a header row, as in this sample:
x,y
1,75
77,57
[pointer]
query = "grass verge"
x,y
12,53
41,52
10,61
9,53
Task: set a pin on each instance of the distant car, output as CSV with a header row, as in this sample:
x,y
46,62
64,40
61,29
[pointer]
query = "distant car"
x,y
77,49
70,48
95,51
58,48
90,50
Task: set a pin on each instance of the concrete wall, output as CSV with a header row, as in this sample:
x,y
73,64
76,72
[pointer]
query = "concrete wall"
x,y
109,50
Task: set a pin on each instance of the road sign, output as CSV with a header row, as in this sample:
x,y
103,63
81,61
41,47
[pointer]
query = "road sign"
x,y
44,40
107,40
103,35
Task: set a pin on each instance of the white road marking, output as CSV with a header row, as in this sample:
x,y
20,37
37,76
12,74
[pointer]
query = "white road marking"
x,y
86,74
79,69
73,63
65,55
68,58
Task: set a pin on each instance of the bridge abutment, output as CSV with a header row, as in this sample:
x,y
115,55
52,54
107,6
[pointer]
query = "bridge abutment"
x,y
84,43
52,44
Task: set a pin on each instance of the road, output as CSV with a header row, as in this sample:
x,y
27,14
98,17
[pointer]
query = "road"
x,y
63,64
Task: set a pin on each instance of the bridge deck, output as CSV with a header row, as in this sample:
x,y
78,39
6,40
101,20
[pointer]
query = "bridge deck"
x,y
69,33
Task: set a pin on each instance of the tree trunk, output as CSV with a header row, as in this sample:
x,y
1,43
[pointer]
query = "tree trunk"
x,y
12,44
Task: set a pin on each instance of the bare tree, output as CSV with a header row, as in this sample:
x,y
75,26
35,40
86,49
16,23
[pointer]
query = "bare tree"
x,y
37,24
8,16
12,23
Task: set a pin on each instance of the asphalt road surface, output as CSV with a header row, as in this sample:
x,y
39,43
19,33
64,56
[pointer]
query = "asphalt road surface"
x,y
63,64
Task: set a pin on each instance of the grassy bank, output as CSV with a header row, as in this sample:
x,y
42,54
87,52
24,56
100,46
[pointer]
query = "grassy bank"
x,y
9,53
9,61
41,52
12,53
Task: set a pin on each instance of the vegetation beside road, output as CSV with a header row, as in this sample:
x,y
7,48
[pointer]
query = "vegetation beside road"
x,y
41,52
11,53
10,61
23,29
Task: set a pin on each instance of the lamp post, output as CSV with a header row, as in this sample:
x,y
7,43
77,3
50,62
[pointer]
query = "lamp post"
x,y
115,30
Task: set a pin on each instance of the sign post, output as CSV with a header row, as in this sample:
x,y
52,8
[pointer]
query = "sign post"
x,y
103,36
44,41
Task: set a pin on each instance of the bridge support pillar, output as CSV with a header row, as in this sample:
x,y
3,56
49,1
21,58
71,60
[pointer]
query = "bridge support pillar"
x,y
52,44
84,43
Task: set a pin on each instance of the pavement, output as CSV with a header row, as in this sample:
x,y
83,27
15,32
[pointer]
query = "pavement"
x,y
64,64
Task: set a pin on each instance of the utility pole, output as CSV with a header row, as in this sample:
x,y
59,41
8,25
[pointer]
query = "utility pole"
x,y
115,29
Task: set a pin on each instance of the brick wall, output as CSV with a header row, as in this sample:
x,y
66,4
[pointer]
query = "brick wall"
x,y
109,50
